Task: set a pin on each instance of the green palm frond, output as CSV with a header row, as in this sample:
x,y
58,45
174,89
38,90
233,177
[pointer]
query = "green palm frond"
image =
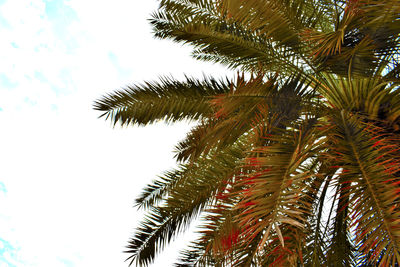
x,y
269,18
156,192
181,196
168,100
227,44
225,41
364,95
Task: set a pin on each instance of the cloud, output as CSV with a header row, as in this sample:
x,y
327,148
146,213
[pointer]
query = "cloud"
x,y
33,57
8,254
3,188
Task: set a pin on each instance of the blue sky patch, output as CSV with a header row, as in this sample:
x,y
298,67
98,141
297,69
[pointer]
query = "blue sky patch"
x,y
113,58
68,85
56,10
8,253
60,15
39,76
3,22
124,72
30,101
66,262
2,185
6,82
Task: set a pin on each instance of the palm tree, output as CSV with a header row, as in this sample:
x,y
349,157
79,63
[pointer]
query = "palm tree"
x,y
295,162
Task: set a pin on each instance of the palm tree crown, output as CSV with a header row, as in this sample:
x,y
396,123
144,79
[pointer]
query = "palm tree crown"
x,y
296,161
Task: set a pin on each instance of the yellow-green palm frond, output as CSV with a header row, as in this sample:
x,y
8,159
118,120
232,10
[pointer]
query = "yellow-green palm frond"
x,y
363,95
374,98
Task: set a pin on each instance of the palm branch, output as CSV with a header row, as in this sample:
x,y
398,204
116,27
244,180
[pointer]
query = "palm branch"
x,y
295,162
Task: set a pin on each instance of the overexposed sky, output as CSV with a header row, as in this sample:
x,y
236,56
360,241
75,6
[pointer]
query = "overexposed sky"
x,y
67,178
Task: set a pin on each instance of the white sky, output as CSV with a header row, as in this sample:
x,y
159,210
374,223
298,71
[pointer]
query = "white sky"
x,y
67,179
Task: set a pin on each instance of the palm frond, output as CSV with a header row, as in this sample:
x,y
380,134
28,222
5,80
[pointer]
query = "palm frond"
x,y
255,105
225,41
181,199
365,38
273,198
297,165
316,240
340,248
168,100
370,161
366,96
156,192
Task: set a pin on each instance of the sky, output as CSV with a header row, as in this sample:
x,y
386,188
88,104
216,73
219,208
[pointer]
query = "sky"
x,y
67,178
